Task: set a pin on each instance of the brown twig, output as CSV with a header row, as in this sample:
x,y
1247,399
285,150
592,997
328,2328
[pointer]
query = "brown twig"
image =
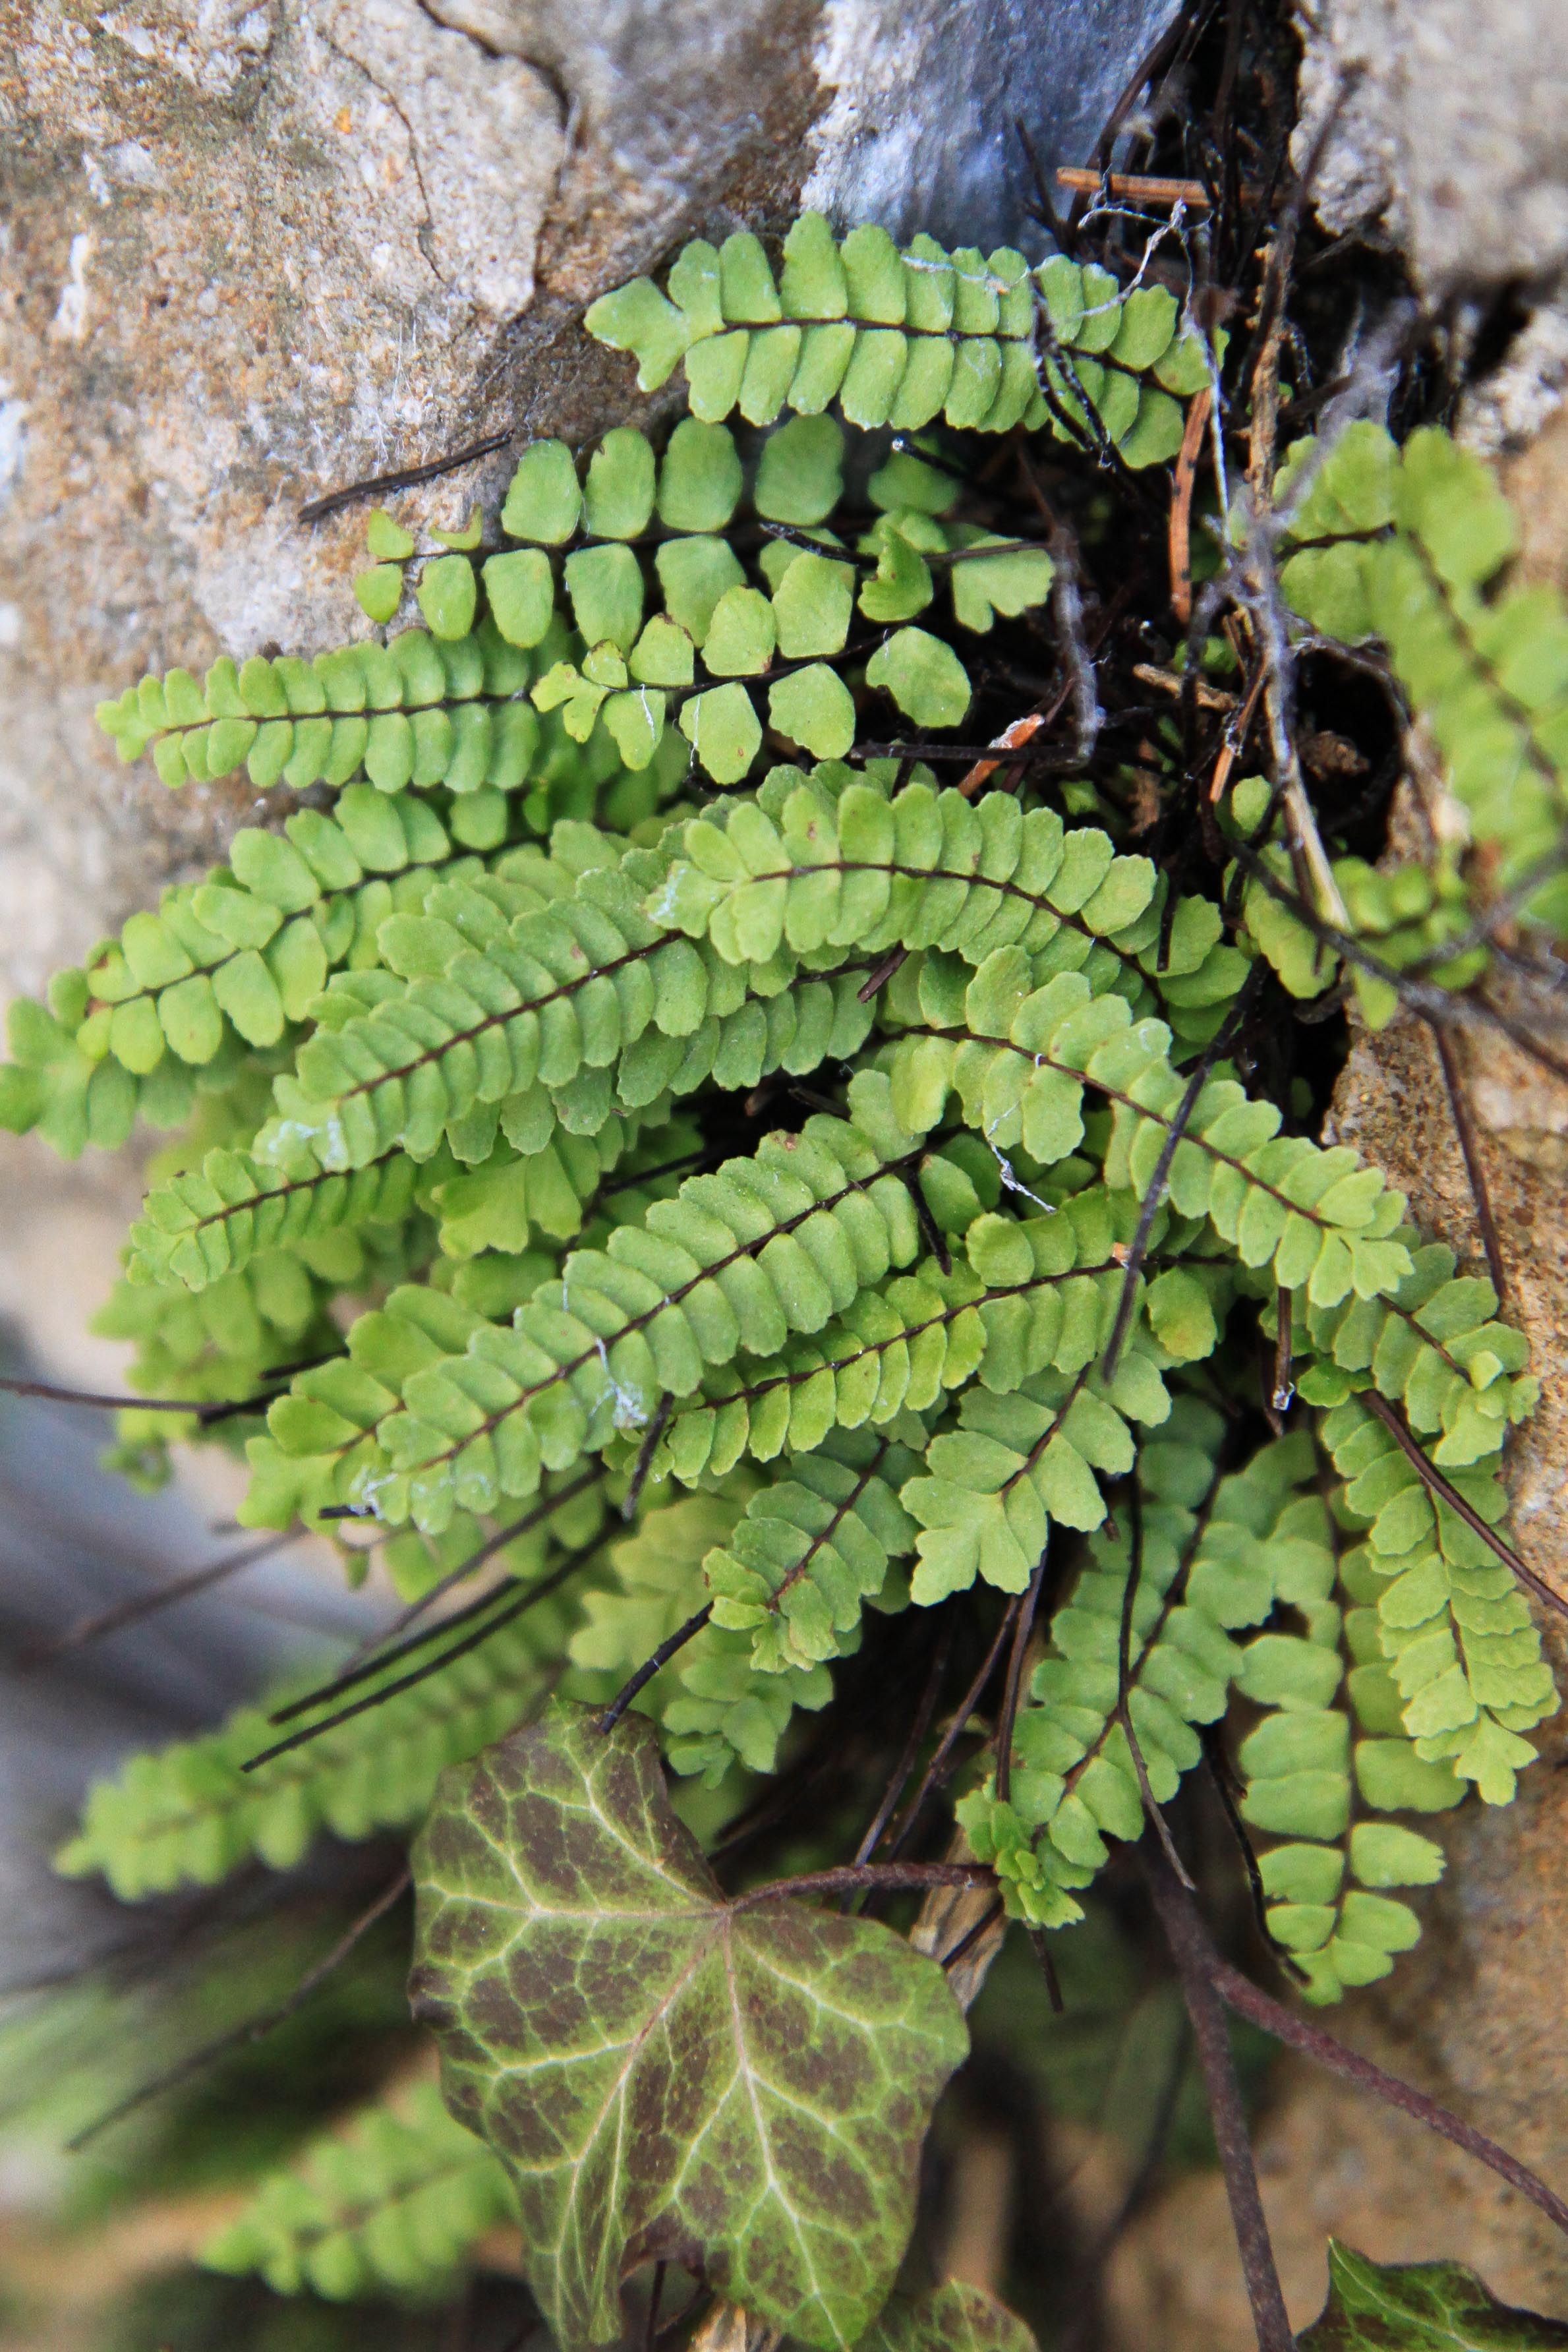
x,y
645,1453
147,1605
649,1666
1284,1353
1251,2001
385,1650
1433,1478
219,1410
1219,1045
1011,738
912,1746
255,2028
1123,1713
1139,187
1195,1964
1191,449
471,1641
930,1777
1469,1149
1012,1688
402,478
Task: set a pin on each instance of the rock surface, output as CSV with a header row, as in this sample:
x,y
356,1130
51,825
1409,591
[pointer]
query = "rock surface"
x,y
1445,131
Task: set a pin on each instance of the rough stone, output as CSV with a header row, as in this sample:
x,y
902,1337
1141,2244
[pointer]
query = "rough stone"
x,y
1440,127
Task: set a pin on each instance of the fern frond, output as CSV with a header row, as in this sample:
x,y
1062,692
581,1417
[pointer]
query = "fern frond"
x,y
902,339
1463,1650
582,1007
1037,1294
1433,1346
763,1247
1411,543
419,709
191,1815
810,1548
1205,1569
716,1705
204,1224
827,860
398,2200
236,962
1313,1771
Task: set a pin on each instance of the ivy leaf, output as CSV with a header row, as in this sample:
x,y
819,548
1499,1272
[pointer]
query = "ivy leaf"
x,y
952,2318
741,2086
1420,2307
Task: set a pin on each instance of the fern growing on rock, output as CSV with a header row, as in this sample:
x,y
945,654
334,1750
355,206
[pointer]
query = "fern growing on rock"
x,y
760,1197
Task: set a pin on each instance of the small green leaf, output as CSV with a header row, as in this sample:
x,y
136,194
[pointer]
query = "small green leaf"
x,y
908,481
815,709
925,677
700,479
1420,2307
741,638
447,595
386,541
1181,1316
520,588
544,500
1010,582
605,584
379,592
583,1973
637,318
636,724
800,478
693,575
723,731
467,537
812,284
813,606
618,498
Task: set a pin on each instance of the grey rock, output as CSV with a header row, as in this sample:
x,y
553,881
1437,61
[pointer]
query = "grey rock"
x,y
1447,136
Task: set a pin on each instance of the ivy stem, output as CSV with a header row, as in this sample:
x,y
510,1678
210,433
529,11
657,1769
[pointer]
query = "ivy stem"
x,y
1195,1962
851,1874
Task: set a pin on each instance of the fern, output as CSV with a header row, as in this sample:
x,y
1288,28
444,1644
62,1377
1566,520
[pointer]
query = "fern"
x,y
869,1188
1410,546
903,339
398,2200
824,861
193,1813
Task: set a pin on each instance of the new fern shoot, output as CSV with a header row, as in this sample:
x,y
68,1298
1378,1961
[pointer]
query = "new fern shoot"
x,y
725,1144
